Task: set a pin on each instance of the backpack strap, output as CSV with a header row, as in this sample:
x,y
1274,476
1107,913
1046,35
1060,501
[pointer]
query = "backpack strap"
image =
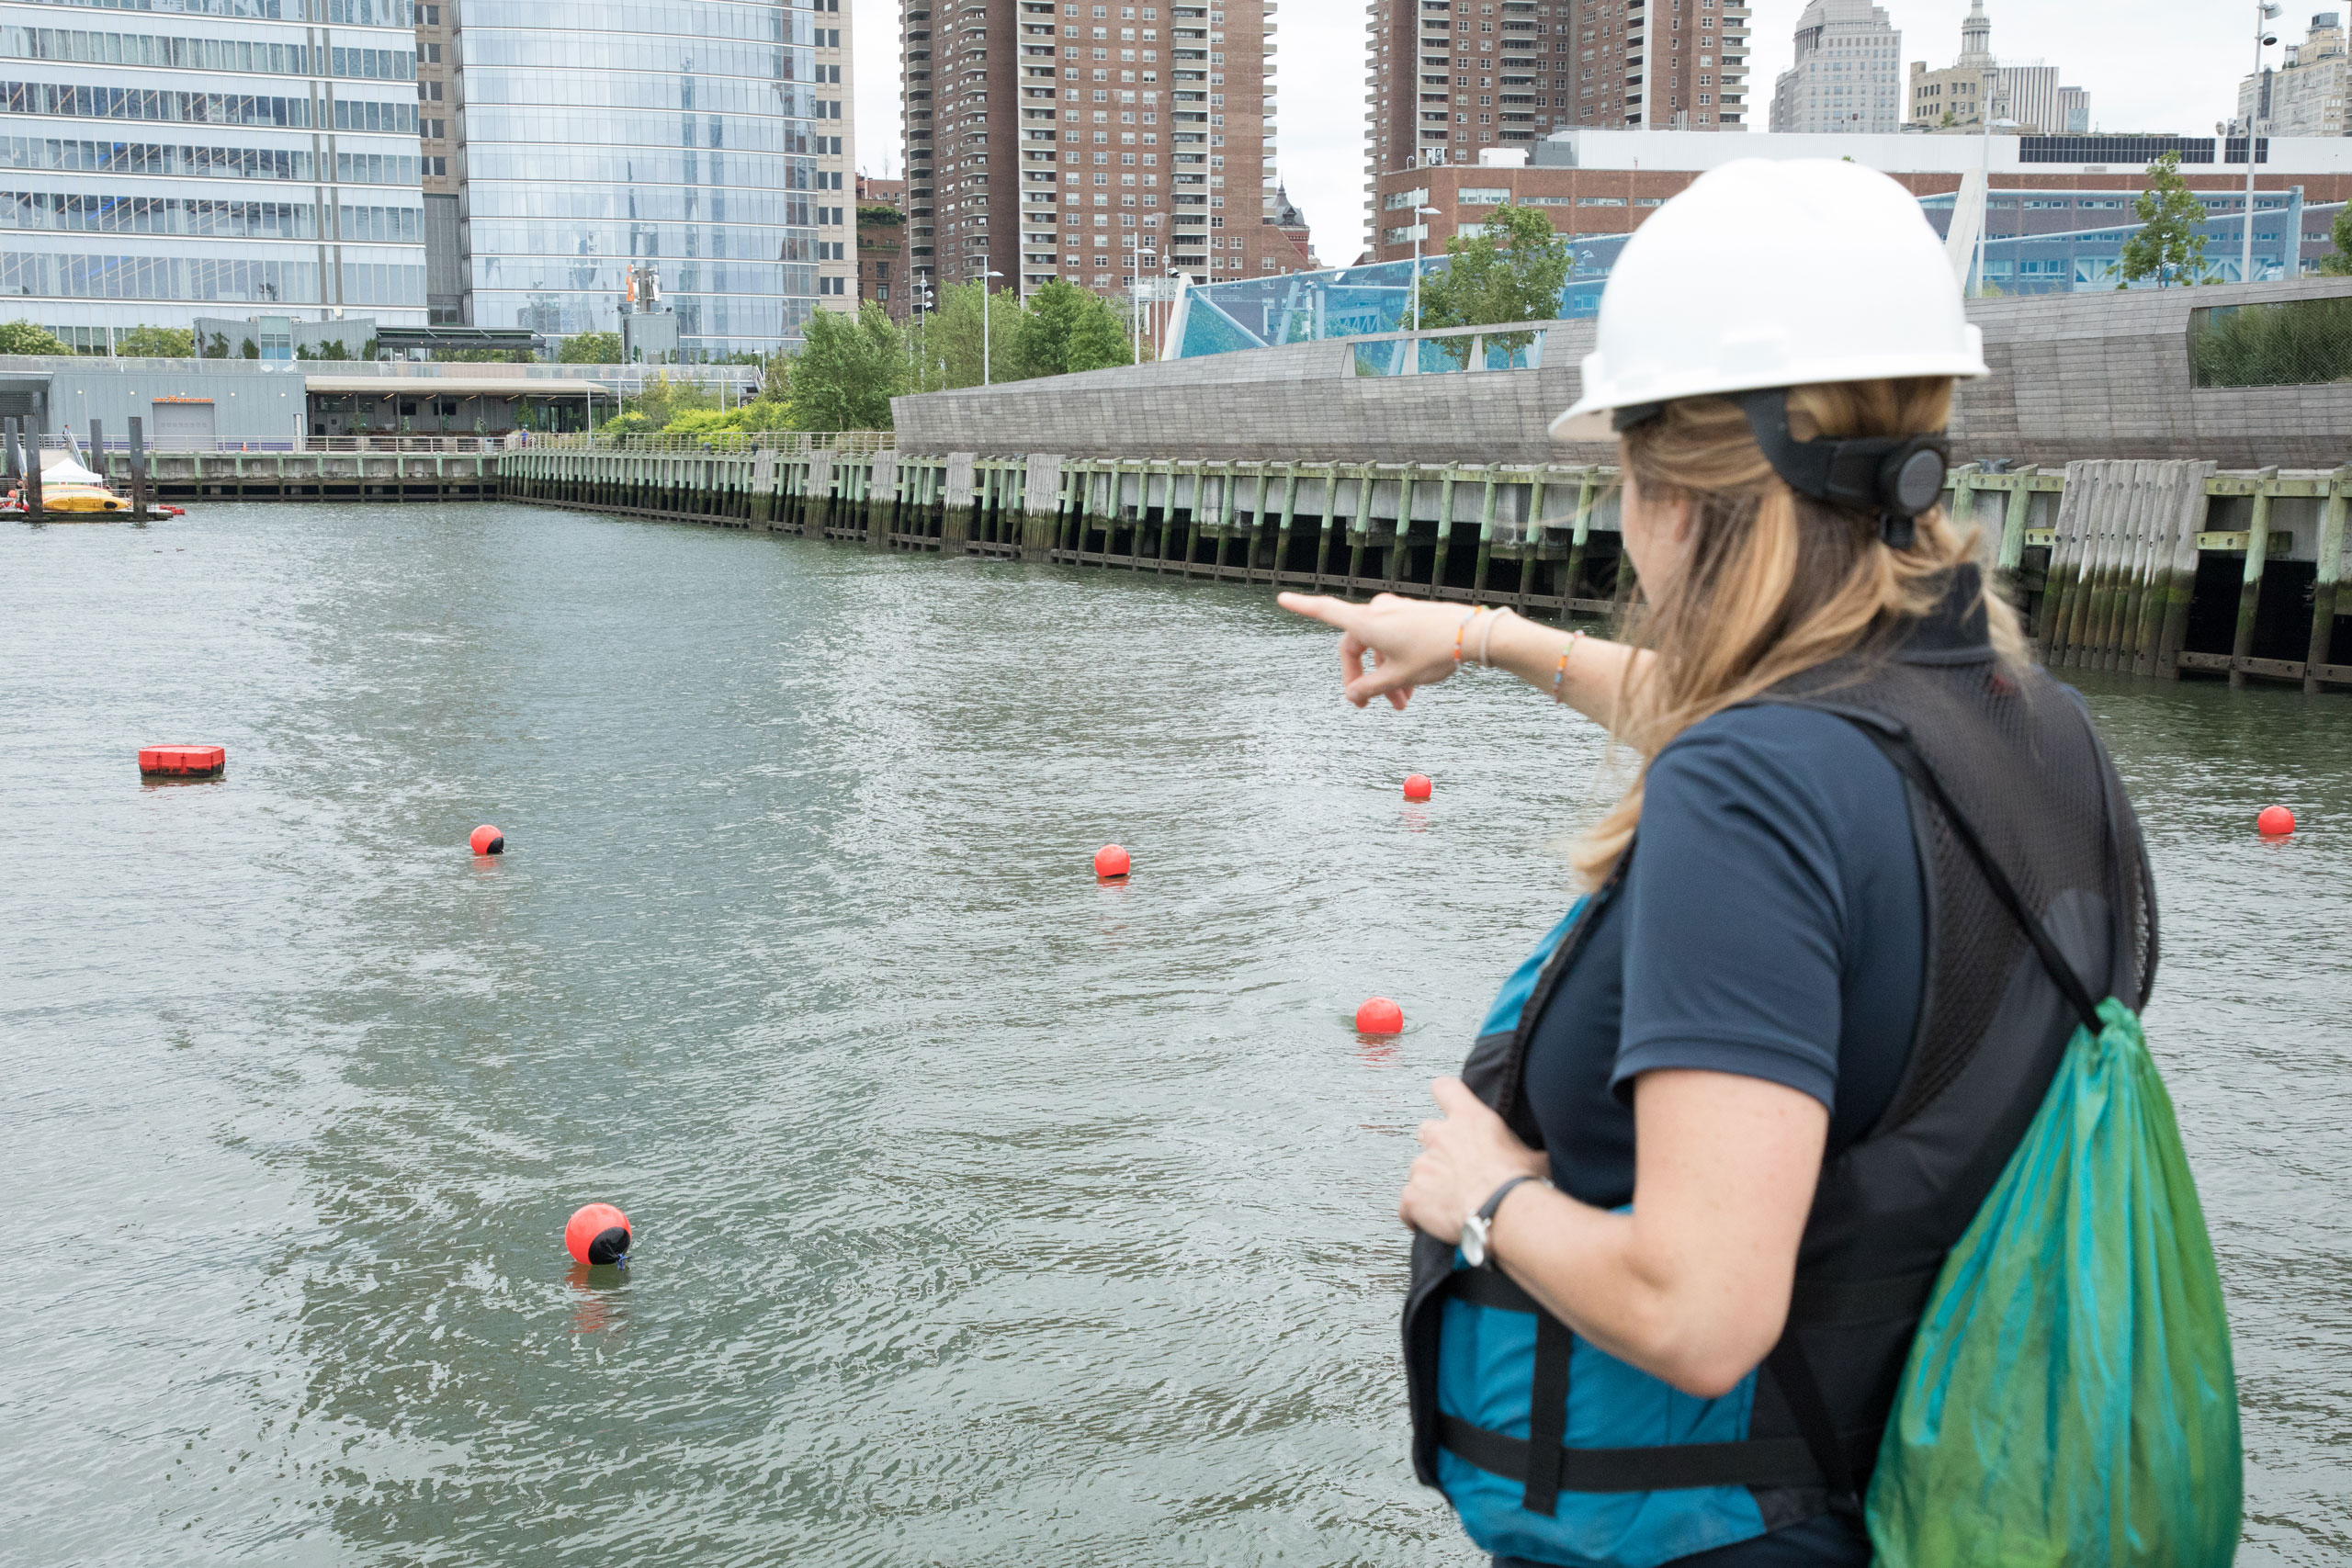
x,y
1904,752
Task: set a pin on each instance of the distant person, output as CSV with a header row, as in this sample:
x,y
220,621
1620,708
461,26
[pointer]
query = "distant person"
x,y
1679,1221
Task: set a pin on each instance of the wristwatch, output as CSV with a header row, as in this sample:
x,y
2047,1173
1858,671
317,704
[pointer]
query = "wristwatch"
x,y
1472,1240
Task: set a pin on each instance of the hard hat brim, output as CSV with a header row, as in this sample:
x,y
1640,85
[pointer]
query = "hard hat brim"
x,y
1588,418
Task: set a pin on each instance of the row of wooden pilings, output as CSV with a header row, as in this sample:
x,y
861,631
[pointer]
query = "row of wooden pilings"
x,y
2151,567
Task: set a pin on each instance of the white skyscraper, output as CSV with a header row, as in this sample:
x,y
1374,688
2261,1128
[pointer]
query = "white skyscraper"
x,y
1848,71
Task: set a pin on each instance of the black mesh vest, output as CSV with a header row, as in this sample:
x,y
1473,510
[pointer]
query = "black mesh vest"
x,y
2017,756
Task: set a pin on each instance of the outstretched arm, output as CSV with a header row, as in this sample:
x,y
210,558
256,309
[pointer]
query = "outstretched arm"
x,y
1413,642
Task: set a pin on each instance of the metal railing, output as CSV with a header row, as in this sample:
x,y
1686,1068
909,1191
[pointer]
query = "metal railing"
x,y
787,442
187,444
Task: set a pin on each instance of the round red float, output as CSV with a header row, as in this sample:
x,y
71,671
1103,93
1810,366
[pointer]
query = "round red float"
x,y
2276,822
1111,861
596,1233
183,762
1417,786
488,840
1379,1016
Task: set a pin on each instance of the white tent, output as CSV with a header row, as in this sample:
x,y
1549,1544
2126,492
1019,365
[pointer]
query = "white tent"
x,y
58,468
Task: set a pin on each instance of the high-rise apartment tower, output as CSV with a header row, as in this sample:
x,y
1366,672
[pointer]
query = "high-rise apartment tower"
x,y
1849,71
1452,78
212,160
1047,139
708,140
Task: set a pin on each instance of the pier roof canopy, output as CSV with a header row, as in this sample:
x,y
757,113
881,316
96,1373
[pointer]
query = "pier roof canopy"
x,y
458,386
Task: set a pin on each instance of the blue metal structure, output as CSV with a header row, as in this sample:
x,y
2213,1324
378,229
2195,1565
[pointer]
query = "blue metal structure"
x,y
2053,241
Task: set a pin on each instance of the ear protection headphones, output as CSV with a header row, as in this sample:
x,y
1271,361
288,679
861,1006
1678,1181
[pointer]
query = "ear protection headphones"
x,y
1897,477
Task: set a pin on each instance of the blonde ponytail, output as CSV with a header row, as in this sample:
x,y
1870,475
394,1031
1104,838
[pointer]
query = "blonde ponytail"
x,y
1775,583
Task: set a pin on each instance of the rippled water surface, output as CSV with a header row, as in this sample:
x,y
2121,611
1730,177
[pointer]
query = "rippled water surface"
x,y
987,1214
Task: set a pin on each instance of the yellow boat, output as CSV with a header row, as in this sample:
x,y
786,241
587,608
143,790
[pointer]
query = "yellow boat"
x,y
67,488
80,498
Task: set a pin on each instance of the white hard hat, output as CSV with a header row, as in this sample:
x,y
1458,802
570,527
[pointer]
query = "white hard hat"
x,y
1768,273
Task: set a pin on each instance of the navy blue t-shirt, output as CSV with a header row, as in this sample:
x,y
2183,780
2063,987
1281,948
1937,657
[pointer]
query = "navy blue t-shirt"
x,y
1771,923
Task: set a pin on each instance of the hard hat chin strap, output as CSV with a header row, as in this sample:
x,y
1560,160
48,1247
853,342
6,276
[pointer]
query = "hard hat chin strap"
x,y
1896,476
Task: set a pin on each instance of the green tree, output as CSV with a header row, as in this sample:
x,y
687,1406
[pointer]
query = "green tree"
x,y
23,337
848,369
483,357
1065,329
953,335
1511,271
2338,262
662,399
156,343
591,348
2170,243
879,215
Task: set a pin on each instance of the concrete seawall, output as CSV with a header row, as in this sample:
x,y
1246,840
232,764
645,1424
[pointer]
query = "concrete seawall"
x,y
2075,377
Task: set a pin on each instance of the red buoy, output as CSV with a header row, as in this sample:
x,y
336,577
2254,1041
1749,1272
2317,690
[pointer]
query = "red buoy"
x,y
597,1233
2276,822
1417,786
1380,1016
488,840
183,762
1111,861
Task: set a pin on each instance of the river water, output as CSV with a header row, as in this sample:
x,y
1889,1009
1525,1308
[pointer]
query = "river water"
x,y
987,1214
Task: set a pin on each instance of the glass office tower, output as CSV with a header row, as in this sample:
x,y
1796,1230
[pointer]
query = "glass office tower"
x,y
686,133
176,158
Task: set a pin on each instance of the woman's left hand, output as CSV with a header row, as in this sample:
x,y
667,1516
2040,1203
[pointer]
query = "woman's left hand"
x,y
1466,1155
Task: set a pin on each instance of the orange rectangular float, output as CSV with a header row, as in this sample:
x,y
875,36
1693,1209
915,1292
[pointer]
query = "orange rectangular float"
x,y
183,762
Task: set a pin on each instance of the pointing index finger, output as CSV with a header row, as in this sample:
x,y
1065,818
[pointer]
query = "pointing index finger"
x,y
1321,607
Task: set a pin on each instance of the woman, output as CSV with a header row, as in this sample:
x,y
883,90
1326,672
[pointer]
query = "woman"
x,y
1680,1212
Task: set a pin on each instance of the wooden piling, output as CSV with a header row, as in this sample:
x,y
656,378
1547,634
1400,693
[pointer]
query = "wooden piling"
x,y
1580,535
2180,584
1282,523
2257,556
33,512
139,468
2065,577
1486,529
2324,583
1444,531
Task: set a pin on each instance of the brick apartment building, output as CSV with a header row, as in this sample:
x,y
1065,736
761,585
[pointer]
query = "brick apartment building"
x,y
1605,183
1448,79
882,246
1047,139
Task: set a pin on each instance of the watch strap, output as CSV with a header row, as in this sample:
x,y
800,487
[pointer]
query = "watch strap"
x,y
1487,1209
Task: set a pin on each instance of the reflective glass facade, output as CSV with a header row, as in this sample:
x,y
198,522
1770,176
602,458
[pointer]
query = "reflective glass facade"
x,y
2058,241
165,159
1350,302
683,132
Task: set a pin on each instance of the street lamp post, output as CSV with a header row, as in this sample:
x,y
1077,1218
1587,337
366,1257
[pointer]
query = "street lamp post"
x,y
918,357
1420,228
2263,11
985,352
1135,299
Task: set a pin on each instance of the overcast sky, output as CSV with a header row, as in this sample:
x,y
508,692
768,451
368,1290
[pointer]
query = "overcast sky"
x,y
2164,65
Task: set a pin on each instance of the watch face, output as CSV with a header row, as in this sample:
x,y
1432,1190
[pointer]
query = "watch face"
x,y
1474,1242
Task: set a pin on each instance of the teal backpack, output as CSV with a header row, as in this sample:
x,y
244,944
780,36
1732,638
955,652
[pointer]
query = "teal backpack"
x,y
2069,1394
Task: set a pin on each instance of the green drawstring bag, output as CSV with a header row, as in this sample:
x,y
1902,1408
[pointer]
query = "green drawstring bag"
x,y
2069,1397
